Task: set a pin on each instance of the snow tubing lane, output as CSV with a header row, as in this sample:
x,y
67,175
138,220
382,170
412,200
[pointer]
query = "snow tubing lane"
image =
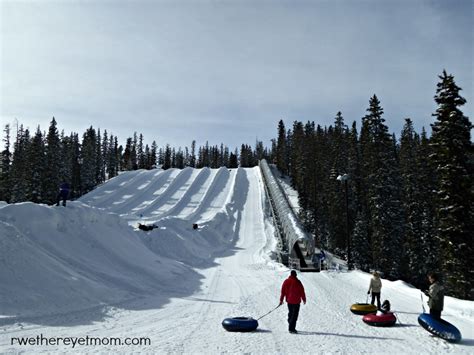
x,y
382,320
363,308
240,324
440,328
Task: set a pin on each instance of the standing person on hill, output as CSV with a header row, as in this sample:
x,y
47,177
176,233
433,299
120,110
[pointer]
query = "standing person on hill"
x,y
293,290
375,286
63,193
436,296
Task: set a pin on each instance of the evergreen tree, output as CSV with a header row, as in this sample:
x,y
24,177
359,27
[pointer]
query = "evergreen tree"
x,y
214,157
356,210
121,161
147,154
112,157
105,156
36,164
192,161
233,160
76,180
102,161
427,182
52,172
161,157
127,155
89,160
173,158
140,153
5,179
133,152
153,153
452,148
273,152
336,189
167,158
297,163
20,187
382,182
179,159
360,243
246,156
411,262
259,151
281,149
66,156
99,156
221,156
226,157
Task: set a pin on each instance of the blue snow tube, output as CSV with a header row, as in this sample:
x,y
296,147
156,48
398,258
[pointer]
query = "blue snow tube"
x,y
240,324
439,327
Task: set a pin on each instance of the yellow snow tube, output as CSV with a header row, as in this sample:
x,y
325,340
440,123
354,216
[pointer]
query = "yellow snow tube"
x,y
363,308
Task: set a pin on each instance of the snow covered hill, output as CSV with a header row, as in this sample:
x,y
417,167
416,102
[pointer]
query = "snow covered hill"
x,y
87,271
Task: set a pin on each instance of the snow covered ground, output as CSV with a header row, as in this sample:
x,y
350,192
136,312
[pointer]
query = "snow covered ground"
x,y
87,271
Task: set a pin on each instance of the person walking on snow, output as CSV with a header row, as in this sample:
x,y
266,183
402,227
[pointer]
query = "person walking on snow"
x,y
293,290
436,296
375,286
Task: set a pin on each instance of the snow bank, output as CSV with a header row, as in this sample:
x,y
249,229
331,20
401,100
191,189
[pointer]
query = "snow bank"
x,y
57,259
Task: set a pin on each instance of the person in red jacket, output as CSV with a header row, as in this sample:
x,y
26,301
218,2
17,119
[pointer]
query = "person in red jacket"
x,y
293,290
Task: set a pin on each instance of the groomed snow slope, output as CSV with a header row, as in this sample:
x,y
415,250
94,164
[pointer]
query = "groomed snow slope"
x,y
85,270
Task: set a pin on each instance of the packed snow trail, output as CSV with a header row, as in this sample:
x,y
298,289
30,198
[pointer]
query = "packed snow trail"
x,y
82,271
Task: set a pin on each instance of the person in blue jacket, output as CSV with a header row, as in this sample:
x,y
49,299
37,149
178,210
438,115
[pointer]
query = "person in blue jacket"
x,y
63,193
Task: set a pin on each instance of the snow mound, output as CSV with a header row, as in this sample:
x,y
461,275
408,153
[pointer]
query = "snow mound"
x,y
58,260
61,259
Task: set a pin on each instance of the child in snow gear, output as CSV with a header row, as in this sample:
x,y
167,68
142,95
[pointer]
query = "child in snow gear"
x,y
293,290
63,193
385,307
436,296
375,286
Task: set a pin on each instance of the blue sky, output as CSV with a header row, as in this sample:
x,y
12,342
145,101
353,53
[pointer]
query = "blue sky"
x,y
227,71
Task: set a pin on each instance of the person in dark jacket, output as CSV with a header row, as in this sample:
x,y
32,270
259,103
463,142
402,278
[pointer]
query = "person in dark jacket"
x,y
63,193
293,290
436,296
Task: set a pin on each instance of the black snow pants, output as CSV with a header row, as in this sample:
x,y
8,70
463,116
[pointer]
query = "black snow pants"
x,y
436,314
293,311
62,196
374,296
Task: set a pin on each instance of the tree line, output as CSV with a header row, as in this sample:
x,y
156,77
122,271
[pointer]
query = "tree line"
x,y
409,201
34,167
